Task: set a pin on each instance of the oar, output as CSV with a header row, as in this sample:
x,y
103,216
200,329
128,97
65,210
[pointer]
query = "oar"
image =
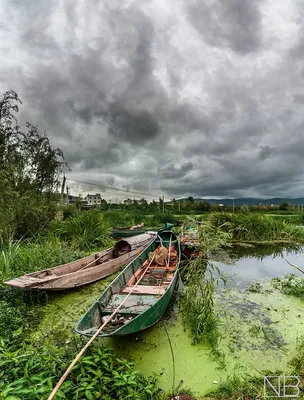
x,y
168,263
97,259
69,369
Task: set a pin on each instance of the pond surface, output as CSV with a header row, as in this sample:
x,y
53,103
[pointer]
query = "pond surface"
x,y
256,264
258,330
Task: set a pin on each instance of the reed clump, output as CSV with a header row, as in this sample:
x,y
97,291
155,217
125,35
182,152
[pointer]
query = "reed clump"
x,y
18,258
256,227
85,230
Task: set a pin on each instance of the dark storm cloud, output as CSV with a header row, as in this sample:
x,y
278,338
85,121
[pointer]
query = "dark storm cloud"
x,y
203,98
173,172
234,23
134,126
265,152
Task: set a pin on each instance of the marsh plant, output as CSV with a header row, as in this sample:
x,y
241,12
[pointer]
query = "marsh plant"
x,y
290,284
85,230
238,388
19,257
8,255
257,227
201,276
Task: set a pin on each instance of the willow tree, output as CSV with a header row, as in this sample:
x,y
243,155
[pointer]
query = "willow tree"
x,y
30,171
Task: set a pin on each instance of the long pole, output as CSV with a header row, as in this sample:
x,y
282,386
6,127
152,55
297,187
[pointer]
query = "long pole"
x,y
69,369
62,188
168,264
163,204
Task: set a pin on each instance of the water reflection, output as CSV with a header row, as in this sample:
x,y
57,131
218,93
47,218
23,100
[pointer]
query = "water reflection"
x,y
256,263
262,251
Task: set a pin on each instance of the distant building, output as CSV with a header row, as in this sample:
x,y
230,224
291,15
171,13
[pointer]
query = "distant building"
x,y
93,199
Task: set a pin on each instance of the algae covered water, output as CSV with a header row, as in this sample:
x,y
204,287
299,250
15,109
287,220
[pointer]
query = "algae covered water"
x,y
259,329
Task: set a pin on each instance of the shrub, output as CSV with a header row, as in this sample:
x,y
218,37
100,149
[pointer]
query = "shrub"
x,y
69,210
86,230
31,374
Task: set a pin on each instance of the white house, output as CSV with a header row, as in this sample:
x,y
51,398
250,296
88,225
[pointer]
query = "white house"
x,y
93,199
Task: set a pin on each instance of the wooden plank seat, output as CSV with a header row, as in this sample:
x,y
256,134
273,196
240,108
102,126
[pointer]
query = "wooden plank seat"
x,y
154,290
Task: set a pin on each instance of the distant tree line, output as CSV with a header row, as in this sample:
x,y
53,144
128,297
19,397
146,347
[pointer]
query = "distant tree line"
x,y
187,206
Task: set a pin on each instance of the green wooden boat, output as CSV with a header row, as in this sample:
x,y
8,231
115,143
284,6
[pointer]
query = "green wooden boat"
x,y
119,233
149,298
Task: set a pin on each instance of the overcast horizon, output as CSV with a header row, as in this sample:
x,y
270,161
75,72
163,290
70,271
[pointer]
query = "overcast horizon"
x,y
197,98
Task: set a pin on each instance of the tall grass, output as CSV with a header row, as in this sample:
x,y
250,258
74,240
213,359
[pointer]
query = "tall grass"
x,y
256,227
297,219
125,219
19,258
8,256
85,230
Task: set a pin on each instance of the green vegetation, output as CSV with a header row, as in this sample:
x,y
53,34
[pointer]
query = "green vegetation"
x,y
290,284
18,258
256,227
85,230
241,387
196,303
238,388
29,174
30,374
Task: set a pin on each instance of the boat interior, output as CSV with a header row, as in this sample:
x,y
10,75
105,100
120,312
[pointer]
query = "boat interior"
x,y
147,283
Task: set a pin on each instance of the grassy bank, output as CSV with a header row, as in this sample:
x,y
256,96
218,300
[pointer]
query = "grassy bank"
x,y
30,368
254,227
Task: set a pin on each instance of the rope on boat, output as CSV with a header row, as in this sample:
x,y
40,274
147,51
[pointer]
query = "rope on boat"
x,y
73,363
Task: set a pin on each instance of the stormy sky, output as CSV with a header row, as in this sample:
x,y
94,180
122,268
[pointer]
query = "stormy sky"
x,y
183,97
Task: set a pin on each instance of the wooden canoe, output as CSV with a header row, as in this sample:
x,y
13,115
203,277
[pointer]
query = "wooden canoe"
x,y
147,302
189,241
118,233
86,270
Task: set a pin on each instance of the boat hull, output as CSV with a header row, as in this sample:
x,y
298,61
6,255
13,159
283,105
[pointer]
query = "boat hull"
x,y
86,270
145,309
120,233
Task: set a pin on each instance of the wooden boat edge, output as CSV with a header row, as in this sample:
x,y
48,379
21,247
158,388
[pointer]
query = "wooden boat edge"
x,y
114,333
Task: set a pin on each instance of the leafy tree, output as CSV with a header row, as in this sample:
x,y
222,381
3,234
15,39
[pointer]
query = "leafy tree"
x,y
103,204
175,205
284,206
161,204
153,206
29,173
